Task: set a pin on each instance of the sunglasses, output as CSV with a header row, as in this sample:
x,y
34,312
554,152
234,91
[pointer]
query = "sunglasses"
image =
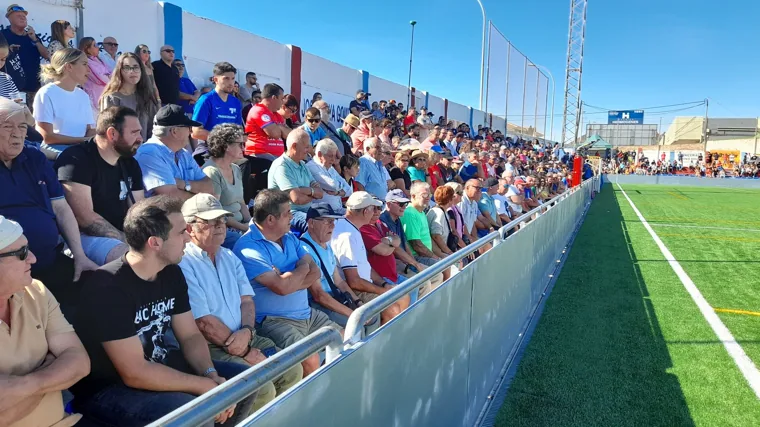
x,y
111,44
16,9
145,51
402,204
313,120
22,254
293,109
168,50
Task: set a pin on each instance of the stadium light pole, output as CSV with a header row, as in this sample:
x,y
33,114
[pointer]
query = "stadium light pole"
x,y
482,54
554,87
411,52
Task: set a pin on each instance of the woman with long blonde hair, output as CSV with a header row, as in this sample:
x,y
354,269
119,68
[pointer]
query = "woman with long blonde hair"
x,y
143,52
62,110
130,87
61,32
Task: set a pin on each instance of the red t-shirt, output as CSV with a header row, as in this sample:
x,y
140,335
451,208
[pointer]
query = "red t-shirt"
x,y
436,177
409,120
258,141
372,235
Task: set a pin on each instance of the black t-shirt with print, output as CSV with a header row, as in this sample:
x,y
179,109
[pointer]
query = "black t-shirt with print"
x,y
109,185
116,304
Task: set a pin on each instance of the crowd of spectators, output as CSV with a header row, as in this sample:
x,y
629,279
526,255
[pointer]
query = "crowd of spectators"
x,y
188,233
709,165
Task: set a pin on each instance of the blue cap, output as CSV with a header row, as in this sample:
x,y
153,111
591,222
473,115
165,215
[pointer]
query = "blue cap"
x,y
322,210
437,149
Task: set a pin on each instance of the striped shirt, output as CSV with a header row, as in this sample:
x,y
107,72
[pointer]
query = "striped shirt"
x,y
8,89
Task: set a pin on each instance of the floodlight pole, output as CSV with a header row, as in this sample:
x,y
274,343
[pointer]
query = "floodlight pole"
x,y
409,85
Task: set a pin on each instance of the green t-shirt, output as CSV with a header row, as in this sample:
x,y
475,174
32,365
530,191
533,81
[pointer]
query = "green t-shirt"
x,y
416,174
416,227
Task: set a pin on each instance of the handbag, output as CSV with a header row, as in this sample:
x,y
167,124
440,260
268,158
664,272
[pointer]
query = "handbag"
x,y
452,241
340,296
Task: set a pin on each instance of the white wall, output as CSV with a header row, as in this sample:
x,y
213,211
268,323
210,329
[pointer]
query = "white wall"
x,y
459,113
329,76
382,89
206,42
478,118
436,106
499,124
140,23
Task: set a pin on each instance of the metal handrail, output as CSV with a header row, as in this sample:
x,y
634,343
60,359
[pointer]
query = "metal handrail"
x,y
354,331
205,407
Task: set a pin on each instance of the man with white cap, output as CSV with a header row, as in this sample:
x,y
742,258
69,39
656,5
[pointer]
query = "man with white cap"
x,y
43,355
280,271
221,297
34,198
349,248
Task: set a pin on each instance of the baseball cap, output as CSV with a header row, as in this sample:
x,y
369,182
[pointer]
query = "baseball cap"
x,y
361,200
396,196
409,144
174,115
519,181
9,232
15,8
490,182
352,120
366,114
204,206
322,210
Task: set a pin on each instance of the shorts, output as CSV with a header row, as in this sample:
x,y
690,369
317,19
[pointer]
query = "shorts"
x,y
284,331
98,248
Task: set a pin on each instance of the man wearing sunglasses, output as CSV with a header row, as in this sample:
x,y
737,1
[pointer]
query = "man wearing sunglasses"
x,y
166,76
43,355
109,53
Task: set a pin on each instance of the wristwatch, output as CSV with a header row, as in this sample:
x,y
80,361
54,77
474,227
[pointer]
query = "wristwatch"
x,y
209,371
187,186
250,328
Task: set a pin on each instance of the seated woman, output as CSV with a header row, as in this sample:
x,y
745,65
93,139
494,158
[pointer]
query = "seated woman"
x,y
62,110
225,147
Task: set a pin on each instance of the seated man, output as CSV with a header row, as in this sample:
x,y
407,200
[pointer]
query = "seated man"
x,y
417,228
33,197
487,203
217,285
289,173
101,180
348,245
316,242
280,271
148,357
167,167
43,355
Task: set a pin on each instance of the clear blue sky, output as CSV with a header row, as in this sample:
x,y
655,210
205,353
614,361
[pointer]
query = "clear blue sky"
x,y
637,54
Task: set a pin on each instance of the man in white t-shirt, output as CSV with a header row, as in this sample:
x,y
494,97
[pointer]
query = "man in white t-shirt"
x,y
501,202
516,196
348,246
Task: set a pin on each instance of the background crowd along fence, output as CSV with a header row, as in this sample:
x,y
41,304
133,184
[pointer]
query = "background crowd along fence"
x,y
202,42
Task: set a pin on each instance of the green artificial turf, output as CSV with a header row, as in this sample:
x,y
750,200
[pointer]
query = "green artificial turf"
x,y
621,342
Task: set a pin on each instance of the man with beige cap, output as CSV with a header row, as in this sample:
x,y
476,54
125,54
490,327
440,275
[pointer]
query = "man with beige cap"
x,y
221,297
34,366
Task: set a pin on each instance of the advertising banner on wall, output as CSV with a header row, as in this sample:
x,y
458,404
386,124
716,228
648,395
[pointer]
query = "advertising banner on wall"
x,y
628,117
338,103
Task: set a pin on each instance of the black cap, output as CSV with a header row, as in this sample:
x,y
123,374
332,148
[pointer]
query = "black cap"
x,y
322,210
173,115
490,182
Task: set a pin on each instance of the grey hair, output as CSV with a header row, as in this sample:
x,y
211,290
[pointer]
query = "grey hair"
x,y
325,146
418,186
161,131
371,143
454,185
295,136
9,109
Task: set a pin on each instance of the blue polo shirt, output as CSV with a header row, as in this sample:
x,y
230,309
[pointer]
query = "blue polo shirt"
x,y
488,206
28,189
210,110
323,255
187,86
467,171
372,176
160,166
258,256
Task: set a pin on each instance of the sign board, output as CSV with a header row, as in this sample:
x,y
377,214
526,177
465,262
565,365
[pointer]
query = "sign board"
x,y
338,103
627,117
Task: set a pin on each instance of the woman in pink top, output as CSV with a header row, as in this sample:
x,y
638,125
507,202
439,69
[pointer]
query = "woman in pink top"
x,y
100,73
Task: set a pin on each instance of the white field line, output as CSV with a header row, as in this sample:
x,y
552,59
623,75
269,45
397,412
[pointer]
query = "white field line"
x,y
707,228
745,364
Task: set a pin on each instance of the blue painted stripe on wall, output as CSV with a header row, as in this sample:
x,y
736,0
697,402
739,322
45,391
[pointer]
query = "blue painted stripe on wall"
x,y
365,81
427,97
173,28
472,128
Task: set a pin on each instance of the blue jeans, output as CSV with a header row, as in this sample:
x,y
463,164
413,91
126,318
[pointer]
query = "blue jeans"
x,y
119,405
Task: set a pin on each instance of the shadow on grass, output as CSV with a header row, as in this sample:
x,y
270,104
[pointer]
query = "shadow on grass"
x,y
597,357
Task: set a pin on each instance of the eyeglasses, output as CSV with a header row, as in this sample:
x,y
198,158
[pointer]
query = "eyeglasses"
x,y
22,254
145,51
131,69
219,222
168,50
405,160
110,44
317,120
293,109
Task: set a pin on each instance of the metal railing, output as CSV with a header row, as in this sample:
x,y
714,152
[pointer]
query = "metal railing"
x,y
206,407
